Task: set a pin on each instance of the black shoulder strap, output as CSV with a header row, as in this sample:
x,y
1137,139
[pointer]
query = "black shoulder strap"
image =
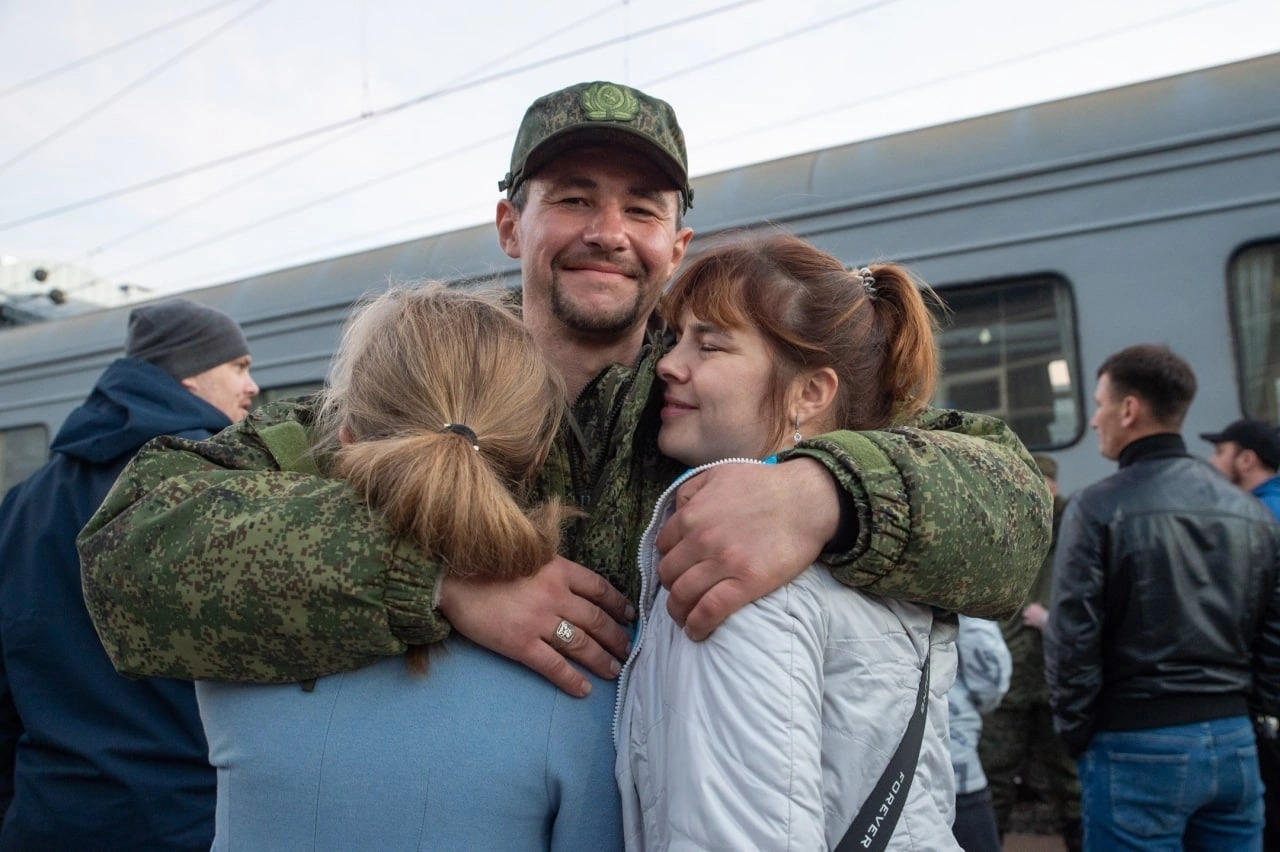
x,y
874,824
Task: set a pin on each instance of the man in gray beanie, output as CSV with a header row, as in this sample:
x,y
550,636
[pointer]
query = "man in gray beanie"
x,y
202,348
90,759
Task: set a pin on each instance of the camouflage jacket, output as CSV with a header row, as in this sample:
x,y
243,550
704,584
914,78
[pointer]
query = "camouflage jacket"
x,y
222,560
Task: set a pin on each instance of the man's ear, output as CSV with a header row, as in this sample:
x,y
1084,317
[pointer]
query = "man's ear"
x,y
1131,408
679,247
507,219
344,436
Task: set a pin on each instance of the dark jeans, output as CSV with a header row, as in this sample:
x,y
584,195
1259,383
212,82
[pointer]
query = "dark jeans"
x,y
1193,787
975,826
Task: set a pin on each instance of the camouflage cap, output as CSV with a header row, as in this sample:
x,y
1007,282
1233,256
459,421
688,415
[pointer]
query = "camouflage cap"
x,y
609,111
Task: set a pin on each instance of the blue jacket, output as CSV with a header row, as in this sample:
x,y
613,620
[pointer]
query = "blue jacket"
x,y
90,759
479,753
1269,493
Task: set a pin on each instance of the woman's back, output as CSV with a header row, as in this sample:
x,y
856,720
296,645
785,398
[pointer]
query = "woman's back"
x,y
480,753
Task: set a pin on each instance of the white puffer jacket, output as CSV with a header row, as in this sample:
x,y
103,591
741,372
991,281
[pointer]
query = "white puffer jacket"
x,y
772,732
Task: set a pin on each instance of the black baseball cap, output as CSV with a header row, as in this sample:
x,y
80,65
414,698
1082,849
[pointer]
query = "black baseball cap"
x,y
1254,435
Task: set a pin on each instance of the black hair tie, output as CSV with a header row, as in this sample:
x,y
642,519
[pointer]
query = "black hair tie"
x,y
464,431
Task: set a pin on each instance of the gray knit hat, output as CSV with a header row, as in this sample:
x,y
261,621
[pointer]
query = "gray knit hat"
x,y
182,338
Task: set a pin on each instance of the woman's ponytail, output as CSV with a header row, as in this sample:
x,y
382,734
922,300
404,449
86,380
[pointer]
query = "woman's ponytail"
x,y
909,365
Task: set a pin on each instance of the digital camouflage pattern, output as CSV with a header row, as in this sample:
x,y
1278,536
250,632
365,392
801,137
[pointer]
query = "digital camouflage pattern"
x,y
951,511
627,115
207,561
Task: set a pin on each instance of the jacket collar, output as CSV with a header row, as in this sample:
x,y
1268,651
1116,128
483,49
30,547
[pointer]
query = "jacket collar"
x,y
1162,446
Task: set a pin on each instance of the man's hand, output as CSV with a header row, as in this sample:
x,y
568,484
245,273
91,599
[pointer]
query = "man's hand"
x,y
518,619
1035,616
739,533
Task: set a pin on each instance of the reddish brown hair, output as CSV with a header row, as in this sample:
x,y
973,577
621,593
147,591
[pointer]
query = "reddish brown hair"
x,y
814,313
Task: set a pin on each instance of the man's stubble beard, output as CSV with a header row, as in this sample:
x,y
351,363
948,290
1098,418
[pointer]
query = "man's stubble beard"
x,y
593,325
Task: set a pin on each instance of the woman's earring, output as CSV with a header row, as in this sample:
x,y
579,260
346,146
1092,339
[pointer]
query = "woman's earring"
x,y
797,437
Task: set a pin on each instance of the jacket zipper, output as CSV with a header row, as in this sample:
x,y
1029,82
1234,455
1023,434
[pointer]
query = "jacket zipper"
x,y
647,569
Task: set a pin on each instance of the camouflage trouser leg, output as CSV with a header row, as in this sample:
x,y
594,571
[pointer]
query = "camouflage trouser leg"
x,y
1020,743
1051,773
1006,735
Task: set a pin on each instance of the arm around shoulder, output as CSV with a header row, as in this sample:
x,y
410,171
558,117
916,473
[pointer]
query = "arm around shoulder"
x,y
207,561
951,511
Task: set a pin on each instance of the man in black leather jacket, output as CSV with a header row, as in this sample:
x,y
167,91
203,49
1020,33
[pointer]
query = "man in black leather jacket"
x,y
1166,622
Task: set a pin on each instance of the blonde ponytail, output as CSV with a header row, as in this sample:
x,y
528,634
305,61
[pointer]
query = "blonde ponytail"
x,y
413,361
473,524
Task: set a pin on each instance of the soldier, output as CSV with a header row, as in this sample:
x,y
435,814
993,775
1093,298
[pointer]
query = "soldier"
x,y
89,759
1019,749
948,511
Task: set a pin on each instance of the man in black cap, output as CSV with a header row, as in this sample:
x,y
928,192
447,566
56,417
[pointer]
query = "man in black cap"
x,y
1248,453
90,759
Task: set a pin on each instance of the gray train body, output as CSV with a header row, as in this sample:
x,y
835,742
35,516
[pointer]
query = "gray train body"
x,y
1057,233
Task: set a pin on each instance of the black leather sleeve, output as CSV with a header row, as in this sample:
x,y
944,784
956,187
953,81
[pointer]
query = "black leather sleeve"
x,y
1073,641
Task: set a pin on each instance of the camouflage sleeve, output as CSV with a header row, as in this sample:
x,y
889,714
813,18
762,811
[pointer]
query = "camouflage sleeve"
x,y
206,561
952,512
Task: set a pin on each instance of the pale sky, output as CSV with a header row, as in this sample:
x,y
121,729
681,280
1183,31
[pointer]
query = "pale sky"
x,y
751,80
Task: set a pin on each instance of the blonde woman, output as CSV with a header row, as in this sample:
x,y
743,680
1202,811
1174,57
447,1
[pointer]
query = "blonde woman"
x,y
439,409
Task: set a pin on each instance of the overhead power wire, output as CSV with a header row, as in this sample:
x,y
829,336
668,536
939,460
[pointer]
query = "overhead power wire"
x,y
305,254
315,202
162,67
969,72
399,172
700,65
107,51
213,196
292,160
769,42
288,161
385,111
540,40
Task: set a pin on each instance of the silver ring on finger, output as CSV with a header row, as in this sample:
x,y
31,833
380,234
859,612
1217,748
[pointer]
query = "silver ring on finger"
x,y
565,632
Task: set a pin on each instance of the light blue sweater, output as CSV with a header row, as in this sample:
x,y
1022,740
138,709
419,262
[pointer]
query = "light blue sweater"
x,y
479,753
981,681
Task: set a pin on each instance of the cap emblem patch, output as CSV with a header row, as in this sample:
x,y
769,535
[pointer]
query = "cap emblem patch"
x,y
607,102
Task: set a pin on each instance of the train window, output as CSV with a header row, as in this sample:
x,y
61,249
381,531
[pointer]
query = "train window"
x,y
287,391
22,451
1254,284
1008,350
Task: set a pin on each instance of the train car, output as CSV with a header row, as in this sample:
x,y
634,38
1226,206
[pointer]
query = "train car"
x,y
1056,234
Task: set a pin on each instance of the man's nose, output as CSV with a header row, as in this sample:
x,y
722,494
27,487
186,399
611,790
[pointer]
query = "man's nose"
x,y
607,228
